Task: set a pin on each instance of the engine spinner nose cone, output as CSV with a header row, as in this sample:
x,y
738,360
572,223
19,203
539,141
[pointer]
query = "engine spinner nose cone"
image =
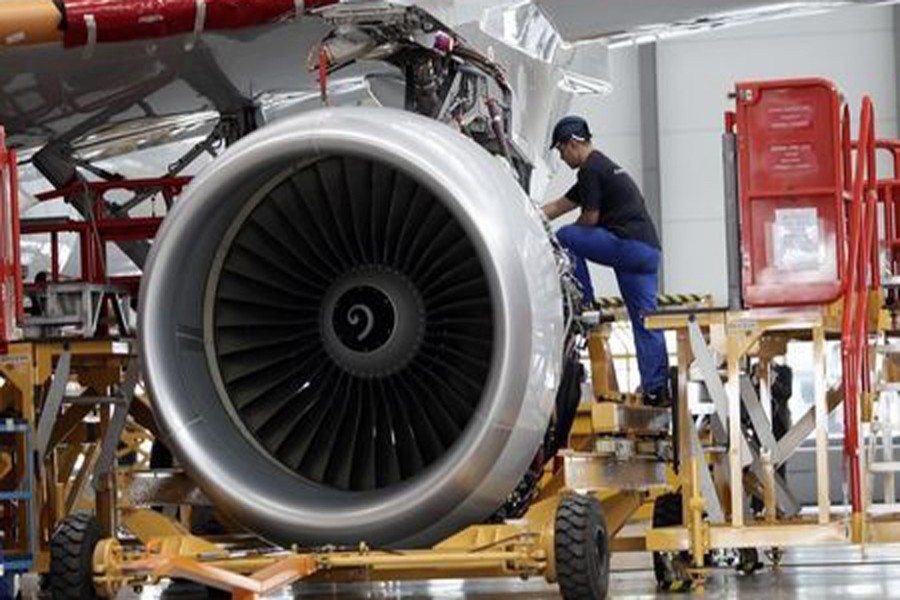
x,y
373,321
363,319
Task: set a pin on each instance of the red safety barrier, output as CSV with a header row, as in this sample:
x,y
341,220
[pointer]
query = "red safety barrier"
x,y
103,227
789,156
11,308
889,197
862,277
810,230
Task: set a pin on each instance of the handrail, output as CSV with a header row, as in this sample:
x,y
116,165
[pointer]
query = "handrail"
x,y
862,276
11,308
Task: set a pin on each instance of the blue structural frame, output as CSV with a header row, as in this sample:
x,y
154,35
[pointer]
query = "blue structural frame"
x,y
15,564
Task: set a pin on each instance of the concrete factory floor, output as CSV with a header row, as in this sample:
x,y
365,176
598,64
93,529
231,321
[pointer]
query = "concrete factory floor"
x,y
807,574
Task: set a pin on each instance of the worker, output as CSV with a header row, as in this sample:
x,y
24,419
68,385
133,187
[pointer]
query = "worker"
x,y
614,230
38,295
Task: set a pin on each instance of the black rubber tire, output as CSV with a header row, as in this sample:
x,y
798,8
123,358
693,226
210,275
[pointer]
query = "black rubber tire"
x,y
667,513
581,541
748,561
72,558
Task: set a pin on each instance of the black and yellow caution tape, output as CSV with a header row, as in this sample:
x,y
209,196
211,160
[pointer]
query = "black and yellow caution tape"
x,y
668,300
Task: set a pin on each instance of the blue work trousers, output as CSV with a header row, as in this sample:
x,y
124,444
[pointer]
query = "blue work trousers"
x,y
636,265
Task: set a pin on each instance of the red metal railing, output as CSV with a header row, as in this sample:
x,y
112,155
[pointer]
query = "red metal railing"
x,y
863,275
11,307
103,227
889,197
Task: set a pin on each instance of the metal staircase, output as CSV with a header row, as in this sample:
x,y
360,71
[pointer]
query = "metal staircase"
x,y
880,461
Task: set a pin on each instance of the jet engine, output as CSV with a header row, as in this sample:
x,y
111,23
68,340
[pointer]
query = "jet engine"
x,y
352,325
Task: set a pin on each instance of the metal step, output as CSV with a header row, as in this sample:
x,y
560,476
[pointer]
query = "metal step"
x,y
164,487
885,467
618,419
888,386
58,321
91,400
17,495
891,282
13,426
888,348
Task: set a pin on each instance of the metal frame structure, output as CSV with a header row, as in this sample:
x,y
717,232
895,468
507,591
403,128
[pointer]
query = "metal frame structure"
x,y
20,500
524,548
65,442
103,225
615,456
36,374
713,497
706,485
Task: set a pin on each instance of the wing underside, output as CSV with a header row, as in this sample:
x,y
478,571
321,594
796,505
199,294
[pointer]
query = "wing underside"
x,y
630,21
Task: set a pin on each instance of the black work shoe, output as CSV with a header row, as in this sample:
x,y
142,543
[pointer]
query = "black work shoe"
x,y
659,399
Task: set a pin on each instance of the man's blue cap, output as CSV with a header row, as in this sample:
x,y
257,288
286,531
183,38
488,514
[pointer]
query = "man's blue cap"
x,y
568,128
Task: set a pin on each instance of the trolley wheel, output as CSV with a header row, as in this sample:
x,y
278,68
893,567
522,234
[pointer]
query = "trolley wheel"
x,y
748,561
581,542
72,558
670,568
775,556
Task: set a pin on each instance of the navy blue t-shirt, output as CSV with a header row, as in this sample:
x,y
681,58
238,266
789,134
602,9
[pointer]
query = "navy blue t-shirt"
x,y
605,186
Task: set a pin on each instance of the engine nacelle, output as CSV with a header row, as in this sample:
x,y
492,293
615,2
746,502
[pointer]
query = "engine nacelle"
x,y
352,328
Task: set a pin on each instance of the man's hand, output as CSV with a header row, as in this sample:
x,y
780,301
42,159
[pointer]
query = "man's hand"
x,y
558,207
588,218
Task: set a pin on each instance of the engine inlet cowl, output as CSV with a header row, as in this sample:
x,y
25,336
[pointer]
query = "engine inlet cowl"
x,y
352,329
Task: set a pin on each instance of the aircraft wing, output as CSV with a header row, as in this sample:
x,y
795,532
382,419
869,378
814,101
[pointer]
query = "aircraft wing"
x,y
636,21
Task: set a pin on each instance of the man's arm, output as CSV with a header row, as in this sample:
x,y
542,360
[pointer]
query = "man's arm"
x,y
588,218
558,207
